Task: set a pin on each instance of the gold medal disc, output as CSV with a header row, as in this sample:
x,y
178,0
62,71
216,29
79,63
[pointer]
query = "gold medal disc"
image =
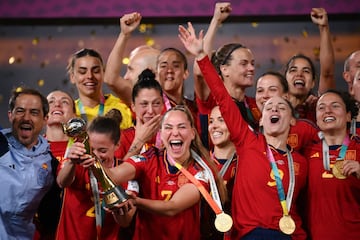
x,y
338,169
223,222
287,224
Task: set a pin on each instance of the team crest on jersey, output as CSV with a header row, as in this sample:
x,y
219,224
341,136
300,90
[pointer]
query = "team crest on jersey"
x,y
138,158
350,155
315,155
293,140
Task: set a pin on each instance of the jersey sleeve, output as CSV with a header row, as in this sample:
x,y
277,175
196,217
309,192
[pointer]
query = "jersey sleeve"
x,y
233,118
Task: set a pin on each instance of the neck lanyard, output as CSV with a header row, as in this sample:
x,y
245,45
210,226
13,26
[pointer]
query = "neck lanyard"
x,y
223,222
167,102
248,111
325,150
285,203
97,204
353,127
83,112
213,201
225,166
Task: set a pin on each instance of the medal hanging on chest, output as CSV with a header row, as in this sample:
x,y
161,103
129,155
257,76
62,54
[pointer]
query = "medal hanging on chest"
x,y
286,223
337,168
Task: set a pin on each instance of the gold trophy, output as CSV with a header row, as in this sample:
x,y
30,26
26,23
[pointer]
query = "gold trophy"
x,y
113,194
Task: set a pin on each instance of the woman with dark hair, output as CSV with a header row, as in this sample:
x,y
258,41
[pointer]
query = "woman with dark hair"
x,y
148,105
333,194
81,216
301,75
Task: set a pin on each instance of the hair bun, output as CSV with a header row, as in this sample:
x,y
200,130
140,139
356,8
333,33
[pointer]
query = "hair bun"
x,y
147,74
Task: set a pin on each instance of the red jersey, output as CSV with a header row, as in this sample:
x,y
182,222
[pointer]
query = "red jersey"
x,y
126,138
255,201
58,149
248,109
306,111
159,180
302,134
77,220
333,204
208,216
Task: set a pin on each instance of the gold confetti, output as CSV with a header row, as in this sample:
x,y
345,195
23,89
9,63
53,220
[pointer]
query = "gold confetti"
x,y
35,41
142,28
150,42
18,89
316,51
305,33
12,60
254,24
125,60
41,82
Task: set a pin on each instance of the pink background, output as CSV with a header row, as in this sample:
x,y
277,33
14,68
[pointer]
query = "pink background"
x,y
165,8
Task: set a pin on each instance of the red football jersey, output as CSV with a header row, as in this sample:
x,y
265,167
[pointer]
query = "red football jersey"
x,y
255,201
157,182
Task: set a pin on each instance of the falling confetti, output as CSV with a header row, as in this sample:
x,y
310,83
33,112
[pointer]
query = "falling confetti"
x,y
150,42
35,41
41,82
12,60
18,89
254,24
126,60
305,33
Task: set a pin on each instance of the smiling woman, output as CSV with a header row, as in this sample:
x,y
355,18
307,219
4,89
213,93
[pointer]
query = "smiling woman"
x,y
259,178
334,171
169,207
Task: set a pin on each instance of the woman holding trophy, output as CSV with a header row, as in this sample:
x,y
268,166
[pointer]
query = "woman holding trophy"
x,y
82,215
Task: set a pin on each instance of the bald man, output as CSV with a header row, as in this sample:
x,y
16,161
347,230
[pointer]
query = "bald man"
x,y
351,66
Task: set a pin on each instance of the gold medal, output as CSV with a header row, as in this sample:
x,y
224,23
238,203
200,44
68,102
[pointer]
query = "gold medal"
x,y
287,224
337,169
223,222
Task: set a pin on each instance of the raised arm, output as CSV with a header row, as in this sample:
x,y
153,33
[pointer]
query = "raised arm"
x,y
121,87
144,132
227,106
76,155
327,58
221,12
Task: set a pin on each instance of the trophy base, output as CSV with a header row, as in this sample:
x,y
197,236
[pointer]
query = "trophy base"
x,y
114,196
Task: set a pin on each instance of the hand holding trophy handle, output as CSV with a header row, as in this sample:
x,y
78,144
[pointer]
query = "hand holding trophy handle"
x,y
112,194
